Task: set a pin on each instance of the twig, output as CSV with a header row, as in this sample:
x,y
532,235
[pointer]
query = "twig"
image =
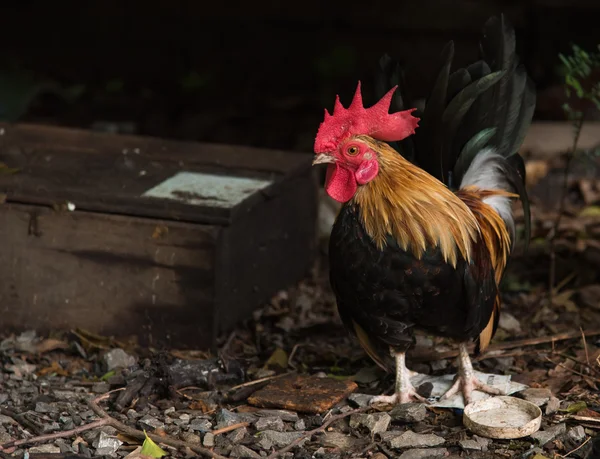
x,y
134,433
578,448
56,435
310,433
572,370
587,356
561,209
258,381
432,356
291,357
21,420
223,430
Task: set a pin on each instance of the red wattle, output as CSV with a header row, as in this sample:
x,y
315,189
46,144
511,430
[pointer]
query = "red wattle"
x,y
340,183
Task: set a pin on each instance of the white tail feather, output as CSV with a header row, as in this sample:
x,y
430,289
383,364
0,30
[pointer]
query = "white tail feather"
x,y
487,173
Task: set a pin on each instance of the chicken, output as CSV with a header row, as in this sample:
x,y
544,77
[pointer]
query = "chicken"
x,y
426,228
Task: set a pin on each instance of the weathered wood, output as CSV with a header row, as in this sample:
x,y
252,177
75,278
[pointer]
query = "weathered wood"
x,y
114,275
173,272
67,164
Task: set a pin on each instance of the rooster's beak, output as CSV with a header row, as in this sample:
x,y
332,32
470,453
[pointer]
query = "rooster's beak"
x,y
324,158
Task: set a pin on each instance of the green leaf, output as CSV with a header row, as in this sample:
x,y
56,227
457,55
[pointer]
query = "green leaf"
x,y
591,211
151,449
108,375
575,407
278,358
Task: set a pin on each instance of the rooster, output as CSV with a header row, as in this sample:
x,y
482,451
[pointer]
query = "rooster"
x,y
426,228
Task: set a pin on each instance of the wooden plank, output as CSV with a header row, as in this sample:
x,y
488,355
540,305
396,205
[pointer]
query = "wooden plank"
x,y
109,173
109,274
275,245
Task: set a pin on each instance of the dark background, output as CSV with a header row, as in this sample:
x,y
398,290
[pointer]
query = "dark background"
x,y
256,73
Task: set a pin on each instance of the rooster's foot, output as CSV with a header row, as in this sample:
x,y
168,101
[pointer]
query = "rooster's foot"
x,y
466,379
405,391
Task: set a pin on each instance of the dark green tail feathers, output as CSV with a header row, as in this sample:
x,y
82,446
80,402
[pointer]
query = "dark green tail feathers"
x,y
488,104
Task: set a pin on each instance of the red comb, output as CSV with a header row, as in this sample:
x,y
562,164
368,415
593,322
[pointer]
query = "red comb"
x,y
374,121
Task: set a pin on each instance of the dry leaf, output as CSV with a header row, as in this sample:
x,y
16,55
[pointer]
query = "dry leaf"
x,y
51,344
53,368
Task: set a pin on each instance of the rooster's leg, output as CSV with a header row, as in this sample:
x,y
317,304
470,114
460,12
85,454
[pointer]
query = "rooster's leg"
x,y
405,392
466,379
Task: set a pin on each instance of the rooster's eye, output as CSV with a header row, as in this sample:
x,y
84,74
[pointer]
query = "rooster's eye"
x,y
352,150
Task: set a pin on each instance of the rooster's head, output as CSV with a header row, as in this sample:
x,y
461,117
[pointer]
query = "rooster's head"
x,y
342,142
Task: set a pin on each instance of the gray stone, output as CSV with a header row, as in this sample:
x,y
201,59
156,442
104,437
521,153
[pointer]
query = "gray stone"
x,y
200,425
43,407
576,434
438,365
118,358
537,396
409,412
425,453
288,416
151,423
106,444
169,411
242,451
409,439
337,440
45,449
208,440
545,436
360,400
509,323
270,423
476,443
270,438
237,435
300,425
190,438
100,387
553,406
7,420
375,423
226,418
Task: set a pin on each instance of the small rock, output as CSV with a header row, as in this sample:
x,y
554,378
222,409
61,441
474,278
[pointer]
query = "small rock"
x,y
151,423
226,418
553,406
576,434
360,400
509,323
545,436
288,416
45,449
268,438
50,427
426,453
300,425
200,425
106,444
409,439
169,411
375,423
190,438
270,423
409,412
337,440
209,440
537,396
476,443
100,387
321,452
242,451
7,420
438,365
237,435
5,437
43,407
118,358
423,341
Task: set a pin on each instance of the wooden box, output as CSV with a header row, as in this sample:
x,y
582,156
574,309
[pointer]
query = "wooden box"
x,y
122,235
